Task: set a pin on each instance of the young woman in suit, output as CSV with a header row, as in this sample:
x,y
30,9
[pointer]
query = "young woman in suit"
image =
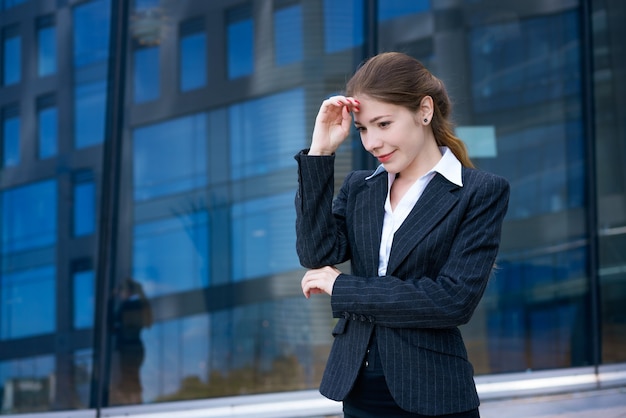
x,y
421,232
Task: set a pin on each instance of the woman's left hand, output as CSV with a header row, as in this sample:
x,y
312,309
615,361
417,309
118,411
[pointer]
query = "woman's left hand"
x,y
320,280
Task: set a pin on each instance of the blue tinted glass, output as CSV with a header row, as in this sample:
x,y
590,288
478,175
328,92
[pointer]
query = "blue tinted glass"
x,y
12,3
89,113
83,299
343,24
288,35
240,48
525,62
263,239
390,9
263,140
29,216
47,51
84,208
91,46
11,141
146,74
40,370
193,62
12,60
146,4
170,255
170,157
48,132
28,302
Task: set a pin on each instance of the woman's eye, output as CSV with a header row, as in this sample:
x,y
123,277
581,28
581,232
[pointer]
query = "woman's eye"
x,y
359,128
384,124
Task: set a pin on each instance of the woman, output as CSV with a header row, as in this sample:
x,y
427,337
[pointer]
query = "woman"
x,y
421,232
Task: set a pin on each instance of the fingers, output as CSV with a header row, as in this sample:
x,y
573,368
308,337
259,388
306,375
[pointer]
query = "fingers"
x,y
349,104
319,281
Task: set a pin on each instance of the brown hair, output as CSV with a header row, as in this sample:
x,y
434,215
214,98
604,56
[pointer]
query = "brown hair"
x,y
397,78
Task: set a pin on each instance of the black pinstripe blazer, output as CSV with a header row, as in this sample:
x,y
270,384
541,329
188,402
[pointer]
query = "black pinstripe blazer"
x,y
440,262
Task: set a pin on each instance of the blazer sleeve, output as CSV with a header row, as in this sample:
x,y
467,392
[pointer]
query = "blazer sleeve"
x,y
449,298
320,233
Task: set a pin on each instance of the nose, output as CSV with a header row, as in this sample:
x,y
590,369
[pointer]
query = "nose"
x,y
371,143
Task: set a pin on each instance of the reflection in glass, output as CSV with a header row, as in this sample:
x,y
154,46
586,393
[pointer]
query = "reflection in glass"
x,y
46,46
12,56
132,315
343,26
288,35
47,128
28,384
84,302
89,113
84,219
146,77
240,42
11,127
193,55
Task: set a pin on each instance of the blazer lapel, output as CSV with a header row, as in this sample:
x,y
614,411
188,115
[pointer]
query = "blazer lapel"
x,y
436,201
369,215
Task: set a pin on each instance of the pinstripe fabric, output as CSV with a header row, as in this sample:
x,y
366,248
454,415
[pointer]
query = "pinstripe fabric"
x,y
439,265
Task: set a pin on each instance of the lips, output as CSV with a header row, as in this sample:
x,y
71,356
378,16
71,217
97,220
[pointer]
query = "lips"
x,y
384,158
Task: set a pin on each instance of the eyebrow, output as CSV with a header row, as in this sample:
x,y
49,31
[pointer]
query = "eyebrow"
x,y
356,122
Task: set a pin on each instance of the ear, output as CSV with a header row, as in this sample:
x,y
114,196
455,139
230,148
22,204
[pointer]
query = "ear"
x,y
426,110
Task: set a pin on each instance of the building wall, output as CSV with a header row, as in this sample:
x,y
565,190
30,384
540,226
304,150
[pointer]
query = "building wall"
x,y
153,260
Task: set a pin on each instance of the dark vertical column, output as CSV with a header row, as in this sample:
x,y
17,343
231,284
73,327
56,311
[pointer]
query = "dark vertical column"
x,y
588,118
111,171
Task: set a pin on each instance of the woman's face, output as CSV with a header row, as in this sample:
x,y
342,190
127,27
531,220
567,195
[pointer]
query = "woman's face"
x,y
396,136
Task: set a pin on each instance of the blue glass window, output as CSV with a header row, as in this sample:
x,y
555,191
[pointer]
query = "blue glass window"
x,y
7,4
28,302
391,9
40,370
146,78
29,216
171,255
46,46
91,46
240,42
343,24
263,239
47,127
263,140
288,34
84,204
170,157
193,55
84,304
10,136
89,113
12,56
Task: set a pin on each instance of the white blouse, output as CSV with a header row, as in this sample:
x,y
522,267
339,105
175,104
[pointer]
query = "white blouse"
x,y
449,166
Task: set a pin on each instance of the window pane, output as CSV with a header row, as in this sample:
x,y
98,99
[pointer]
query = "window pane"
x,y
10,138
170,157
263,140
263,239
240,43
343,24
91,46
170,255
391,9
12,60
146,74
193,62
46,51
288,35
48,132
28,302
84,206
89,113
84,303
29,216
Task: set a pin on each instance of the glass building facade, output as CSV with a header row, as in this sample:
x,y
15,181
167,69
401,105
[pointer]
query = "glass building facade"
x,y
147,183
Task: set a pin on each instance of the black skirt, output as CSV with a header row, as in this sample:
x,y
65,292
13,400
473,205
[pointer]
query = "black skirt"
x,y
370,396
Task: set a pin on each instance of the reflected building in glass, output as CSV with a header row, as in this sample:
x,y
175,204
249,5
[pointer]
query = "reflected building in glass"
x,y
147,185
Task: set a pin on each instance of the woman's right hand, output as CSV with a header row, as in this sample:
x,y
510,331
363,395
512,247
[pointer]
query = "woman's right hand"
x,y
332,124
